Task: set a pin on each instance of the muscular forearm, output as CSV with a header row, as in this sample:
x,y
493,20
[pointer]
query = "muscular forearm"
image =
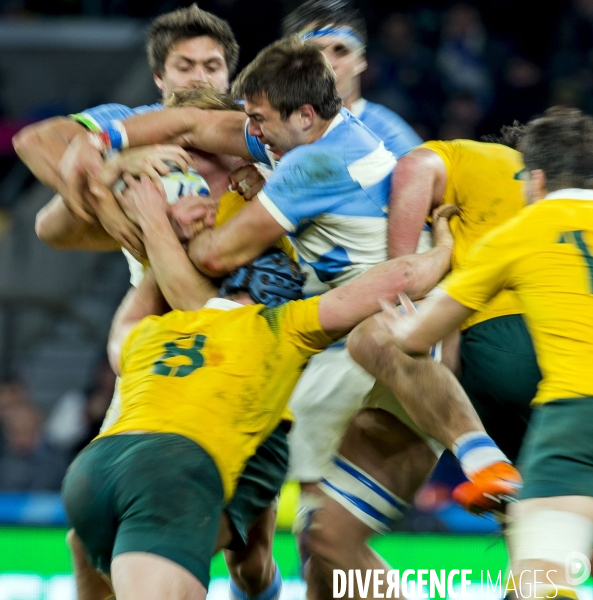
x,y
41,146
60,228
214,131
184,288
414,274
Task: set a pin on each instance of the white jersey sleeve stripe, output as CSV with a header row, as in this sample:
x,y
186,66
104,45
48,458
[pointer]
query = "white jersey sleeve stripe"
x,y
372,168
275,212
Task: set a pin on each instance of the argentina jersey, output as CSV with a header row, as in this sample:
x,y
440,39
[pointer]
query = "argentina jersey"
x,y
398,137
100,117
332,197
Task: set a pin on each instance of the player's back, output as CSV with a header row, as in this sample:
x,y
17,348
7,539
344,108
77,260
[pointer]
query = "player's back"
x,y
551,269
483,180
221,375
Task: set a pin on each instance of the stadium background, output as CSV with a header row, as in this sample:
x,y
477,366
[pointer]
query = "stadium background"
x,y
453,70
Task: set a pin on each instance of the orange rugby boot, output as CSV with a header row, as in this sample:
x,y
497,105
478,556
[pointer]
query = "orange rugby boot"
x,y
489,489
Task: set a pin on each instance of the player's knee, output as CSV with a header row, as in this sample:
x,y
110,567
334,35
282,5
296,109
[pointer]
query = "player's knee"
x,y
358,343
327,545
377,425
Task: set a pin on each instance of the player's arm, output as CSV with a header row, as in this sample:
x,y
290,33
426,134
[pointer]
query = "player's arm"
x,y
415,274
138,303
216,252
182,285
417,186
214,131
41,146
60,228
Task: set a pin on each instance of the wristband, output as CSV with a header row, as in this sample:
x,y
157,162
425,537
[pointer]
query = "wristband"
x,y
100,141
118,136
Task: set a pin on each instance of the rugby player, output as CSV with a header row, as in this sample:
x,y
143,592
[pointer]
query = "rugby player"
x,y
333,387
544,255
252,567
201,387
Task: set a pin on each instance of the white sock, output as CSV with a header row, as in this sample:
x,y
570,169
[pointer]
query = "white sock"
x,y
476,450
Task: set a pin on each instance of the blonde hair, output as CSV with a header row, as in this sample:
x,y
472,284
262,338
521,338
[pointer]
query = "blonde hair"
x,y
203,96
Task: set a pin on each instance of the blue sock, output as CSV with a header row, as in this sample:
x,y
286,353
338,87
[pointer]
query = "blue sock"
x,y
476,450
272,592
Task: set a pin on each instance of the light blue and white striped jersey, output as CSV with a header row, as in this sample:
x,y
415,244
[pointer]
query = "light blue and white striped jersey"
x,y
332,197
398,137
99,117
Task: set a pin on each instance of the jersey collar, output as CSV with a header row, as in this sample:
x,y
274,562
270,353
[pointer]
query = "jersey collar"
x,y
570,194
335,122
222,304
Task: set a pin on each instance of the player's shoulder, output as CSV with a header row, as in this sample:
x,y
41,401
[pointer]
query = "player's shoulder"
x,y
379,113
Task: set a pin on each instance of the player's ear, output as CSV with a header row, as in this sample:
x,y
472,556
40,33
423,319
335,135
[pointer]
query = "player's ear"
x,y
361,65
158,81
306,116
539,184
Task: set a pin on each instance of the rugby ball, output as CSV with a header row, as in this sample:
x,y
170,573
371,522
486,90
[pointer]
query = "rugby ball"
x,y
177,184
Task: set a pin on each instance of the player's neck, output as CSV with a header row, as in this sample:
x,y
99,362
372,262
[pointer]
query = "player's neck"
x,y
352,97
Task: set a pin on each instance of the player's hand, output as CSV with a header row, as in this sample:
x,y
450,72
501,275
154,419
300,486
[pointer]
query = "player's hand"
x,y
191,214
116,222
141,199
80,167
396,322
248,180
150,160
441,229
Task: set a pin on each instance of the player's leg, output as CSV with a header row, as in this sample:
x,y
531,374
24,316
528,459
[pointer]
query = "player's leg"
x,y
89,583
550,542
145,576
433,399
553,521
500,375
253,570
329,393
380,465
251,517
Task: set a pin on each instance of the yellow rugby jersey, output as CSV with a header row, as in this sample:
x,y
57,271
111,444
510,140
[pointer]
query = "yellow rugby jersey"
x,y
483,180
544,254
220,376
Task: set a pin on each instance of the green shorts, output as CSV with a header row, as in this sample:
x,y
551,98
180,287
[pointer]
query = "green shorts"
x,y
259,484
557,456
156,493
500,376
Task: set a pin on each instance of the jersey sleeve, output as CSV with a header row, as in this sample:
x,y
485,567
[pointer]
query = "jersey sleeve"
x,y
256,148
445,152
488,269
399,137
298,322
304,185
98,118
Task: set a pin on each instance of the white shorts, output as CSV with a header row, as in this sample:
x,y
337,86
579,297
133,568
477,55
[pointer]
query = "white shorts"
x,y
329,393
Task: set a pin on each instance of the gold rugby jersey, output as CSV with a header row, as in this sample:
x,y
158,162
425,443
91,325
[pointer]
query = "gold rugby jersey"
x,y
544,254
483,180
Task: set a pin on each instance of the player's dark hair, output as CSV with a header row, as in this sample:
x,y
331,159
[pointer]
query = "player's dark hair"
x,y
560,143
290,73
187,23
323,13
510,135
